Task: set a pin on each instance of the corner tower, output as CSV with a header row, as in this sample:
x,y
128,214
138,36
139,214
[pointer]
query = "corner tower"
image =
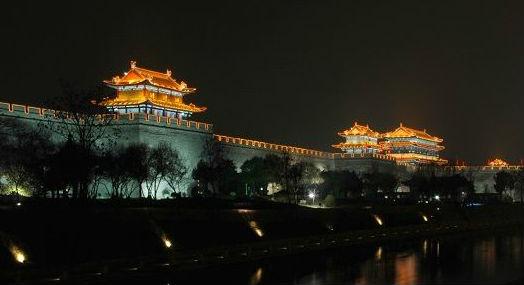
x,y
414,147
360,139
141,90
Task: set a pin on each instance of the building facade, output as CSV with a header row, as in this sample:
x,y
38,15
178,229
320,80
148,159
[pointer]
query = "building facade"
x,y
407,146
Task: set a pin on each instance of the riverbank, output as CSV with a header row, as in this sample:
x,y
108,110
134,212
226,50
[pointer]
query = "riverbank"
x,y
71,243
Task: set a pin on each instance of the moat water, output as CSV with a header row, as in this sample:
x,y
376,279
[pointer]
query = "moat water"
x,y
480,258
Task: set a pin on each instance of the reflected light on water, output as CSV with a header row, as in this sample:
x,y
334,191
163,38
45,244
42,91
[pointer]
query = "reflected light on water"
x,y
378,253
256,277
406,270
485,256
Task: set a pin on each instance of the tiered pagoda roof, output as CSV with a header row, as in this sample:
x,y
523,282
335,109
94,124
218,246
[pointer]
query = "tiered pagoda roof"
x,y
137,75
497,162
155,88
405,132
359,130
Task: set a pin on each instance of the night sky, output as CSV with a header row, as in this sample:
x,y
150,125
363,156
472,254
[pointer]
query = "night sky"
x,y
294,72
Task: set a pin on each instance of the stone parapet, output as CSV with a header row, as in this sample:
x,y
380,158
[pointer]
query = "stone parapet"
x,y
29,112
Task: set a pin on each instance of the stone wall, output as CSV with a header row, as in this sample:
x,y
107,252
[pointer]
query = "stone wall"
x,y
189,138
483,176
239,150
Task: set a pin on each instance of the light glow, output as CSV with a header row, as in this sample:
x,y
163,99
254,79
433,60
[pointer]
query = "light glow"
x,y
18,254
378,220
254,226
378,253
167,242
256,277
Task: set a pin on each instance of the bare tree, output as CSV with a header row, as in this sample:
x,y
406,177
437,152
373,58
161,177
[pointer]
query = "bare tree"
x,y
176,175
79,119
25,151
138,169
165,165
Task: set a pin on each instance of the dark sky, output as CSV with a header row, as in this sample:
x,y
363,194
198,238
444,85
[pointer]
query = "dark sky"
x,y
294,72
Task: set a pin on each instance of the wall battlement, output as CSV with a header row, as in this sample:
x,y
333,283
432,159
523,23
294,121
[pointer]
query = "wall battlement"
x,y
478,168
297,150
272,147
362,156
37,113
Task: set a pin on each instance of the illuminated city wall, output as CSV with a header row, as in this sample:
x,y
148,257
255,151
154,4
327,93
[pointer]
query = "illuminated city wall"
x,y
189,138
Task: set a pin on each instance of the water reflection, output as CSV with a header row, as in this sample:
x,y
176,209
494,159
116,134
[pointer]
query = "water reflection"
x,y
256,277
378,253
492,258
484,256
406,269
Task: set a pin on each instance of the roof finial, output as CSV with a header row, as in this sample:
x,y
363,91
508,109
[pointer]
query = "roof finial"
x,y
133,64
355,123
401,124
168,72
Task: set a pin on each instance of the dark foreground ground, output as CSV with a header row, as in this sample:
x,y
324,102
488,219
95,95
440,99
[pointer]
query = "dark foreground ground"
x,y
62,235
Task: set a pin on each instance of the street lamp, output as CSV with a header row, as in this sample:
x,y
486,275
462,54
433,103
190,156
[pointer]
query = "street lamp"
x,y
311,196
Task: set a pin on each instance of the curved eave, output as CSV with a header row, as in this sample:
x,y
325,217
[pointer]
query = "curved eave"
x,y
432,139
181,107
346,145
114,85
347,133
408,143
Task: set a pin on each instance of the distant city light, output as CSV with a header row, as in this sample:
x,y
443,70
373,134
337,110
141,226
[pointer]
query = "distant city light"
x,y
18,204
437,197
425,218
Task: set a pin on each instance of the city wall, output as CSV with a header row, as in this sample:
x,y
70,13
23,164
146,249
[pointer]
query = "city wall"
x,y
189,137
